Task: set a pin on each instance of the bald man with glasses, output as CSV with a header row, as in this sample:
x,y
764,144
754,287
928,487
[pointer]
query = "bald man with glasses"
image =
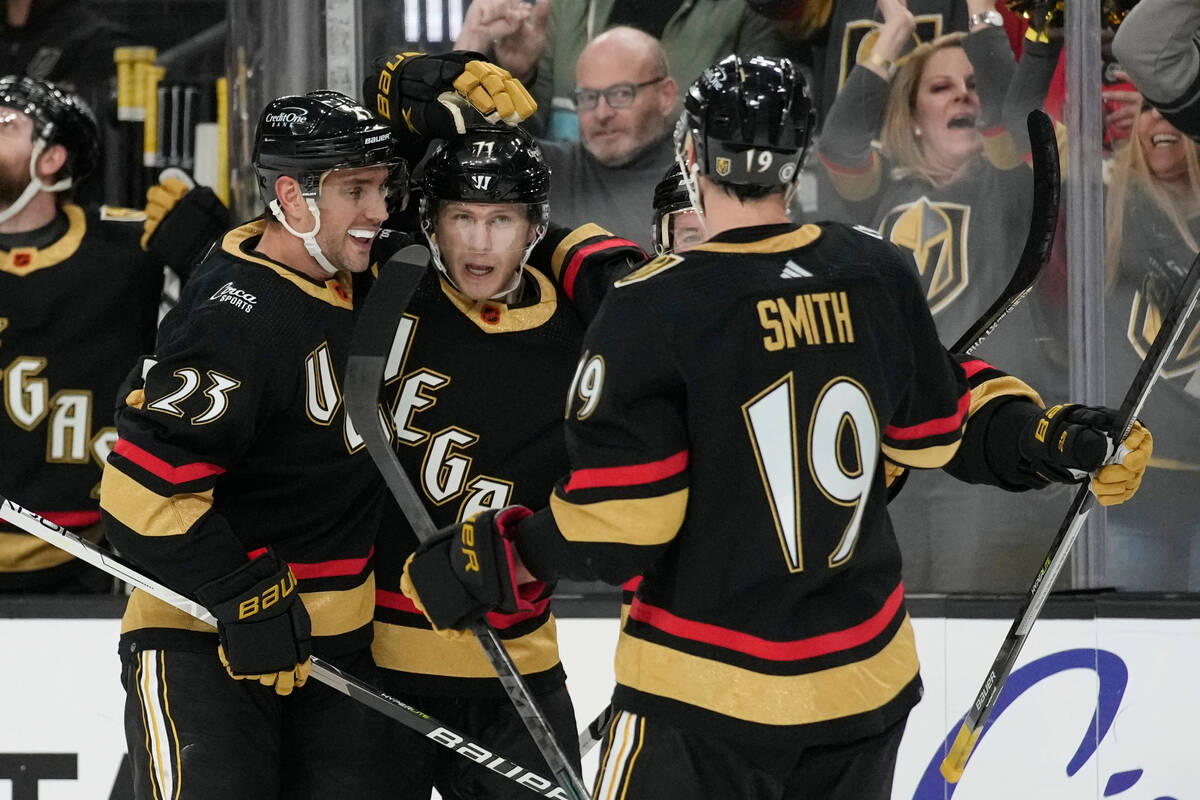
x,y
626,99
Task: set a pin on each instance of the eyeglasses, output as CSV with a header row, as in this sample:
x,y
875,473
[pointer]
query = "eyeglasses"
x,y
619,95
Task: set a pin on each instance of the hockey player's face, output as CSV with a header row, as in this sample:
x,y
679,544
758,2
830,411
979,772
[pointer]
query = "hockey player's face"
x,y
353,205
482,245
687,231
1164,147
947,108
16,146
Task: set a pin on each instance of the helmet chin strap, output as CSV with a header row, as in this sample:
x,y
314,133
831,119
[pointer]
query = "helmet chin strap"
x,y
310,238
691,182
34,186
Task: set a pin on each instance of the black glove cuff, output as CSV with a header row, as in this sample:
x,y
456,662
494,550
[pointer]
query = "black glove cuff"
x,y
437,577
188,230
259,590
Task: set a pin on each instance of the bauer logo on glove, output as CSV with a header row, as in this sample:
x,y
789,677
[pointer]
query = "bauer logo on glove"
x,y
435,96
469,569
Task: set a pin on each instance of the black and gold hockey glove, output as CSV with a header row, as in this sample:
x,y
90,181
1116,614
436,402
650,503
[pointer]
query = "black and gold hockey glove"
x,y
467,570
182,222
1066,442
264,628
437,96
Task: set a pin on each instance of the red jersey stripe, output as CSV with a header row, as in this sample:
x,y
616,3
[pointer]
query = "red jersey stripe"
x,y
335,568
399,602
72,519
631,475
846,168
767,649
934,427
975,366
152,463
572,270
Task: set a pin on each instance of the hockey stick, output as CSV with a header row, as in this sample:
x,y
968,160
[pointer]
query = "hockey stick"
x,y
977,717
1039,240
373,360
1043,222
323,671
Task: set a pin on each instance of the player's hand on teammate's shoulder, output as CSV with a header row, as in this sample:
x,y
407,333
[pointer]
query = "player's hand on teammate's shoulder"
x,y
469,569
1065,443
436,96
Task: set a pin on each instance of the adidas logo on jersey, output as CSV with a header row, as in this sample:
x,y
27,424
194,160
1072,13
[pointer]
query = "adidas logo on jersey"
x,y
235,297
794,270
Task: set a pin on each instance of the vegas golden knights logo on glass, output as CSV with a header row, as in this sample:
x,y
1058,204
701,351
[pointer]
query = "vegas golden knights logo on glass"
x,y
936,233
1145,318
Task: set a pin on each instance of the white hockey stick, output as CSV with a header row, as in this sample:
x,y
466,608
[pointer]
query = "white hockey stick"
x,y
323,671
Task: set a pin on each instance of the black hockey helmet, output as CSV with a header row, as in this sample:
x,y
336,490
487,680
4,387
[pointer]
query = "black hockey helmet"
x,y
488,164
305,136
58,117
670,197
750,120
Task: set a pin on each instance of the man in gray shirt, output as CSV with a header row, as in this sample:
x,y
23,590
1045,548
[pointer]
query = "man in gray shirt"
x,y
626,100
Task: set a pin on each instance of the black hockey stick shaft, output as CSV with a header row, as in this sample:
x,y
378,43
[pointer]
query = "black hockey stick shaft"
x,y
372,358
1164,343
1043,222
326,673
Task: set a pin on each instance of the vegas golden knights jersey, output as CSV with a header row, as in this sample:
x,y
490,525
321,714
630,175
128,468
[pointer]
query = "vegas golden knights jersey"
x,y
78,305
234,438
476,411
726,431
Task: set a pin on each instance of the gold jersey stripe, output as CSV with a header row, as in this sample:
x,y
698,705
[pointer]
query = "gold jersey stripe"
x,y
770,699
332,613
639,521
23,260
20,552
424,651
1002,151
571,240
804,235
1006,386
491,316
923,458
149,513
331,291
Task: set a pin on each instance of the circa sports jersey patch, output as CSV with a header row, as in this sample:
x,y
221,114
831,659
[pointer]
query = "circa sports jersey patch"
x,y
235,297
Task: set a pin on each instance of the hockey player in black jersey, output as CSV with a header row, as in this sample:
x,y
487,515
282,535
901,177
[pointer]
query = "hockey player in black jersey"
x,y
727,430
676,226
78,305
237,480
504,300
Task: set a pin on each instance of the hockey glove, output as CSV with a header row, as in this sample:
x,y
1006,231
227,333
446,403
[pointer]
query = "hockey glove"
x,y
264,627
1065,442
432,96
182,222
469,569
1116,483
